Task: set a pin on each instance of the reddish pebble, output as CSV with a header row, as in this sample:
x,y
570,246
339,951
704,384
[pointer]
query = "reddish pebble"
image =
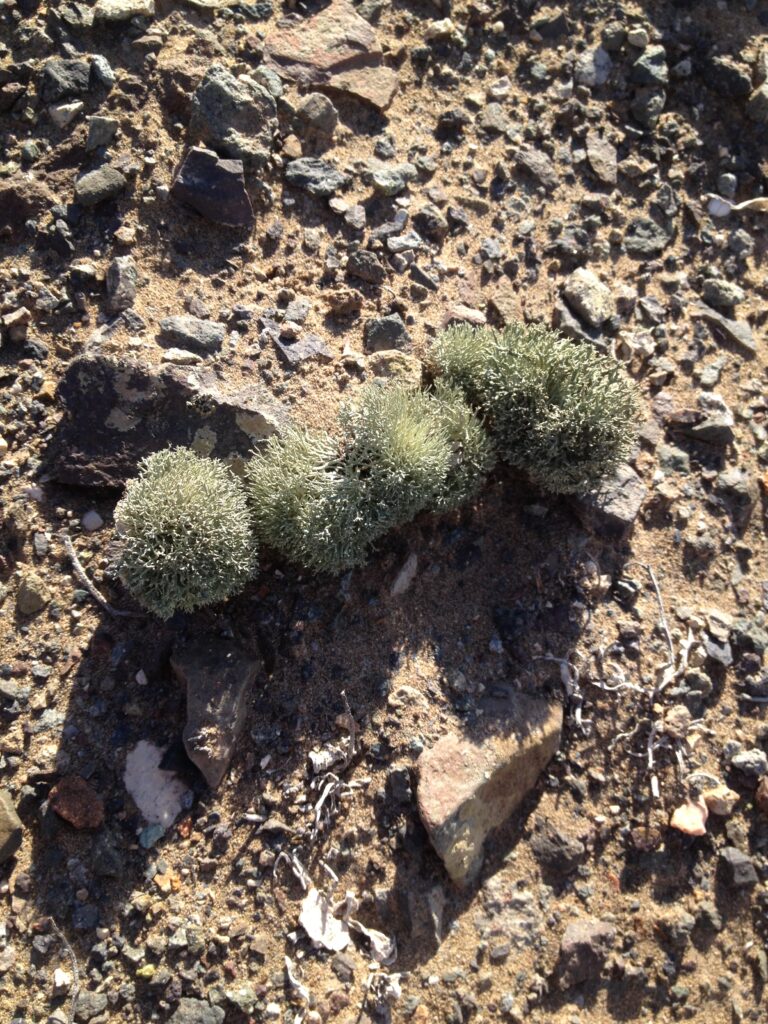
x,y
76,802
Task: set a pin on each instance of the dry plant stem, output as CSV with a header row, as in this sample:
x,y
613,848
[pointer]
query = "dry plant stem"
x,y
75,971
569,677
664,625
81,577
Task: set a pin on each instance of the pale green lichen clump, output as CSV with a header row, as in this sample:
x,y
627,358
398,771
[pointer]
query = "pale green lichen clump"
x,y
323,501
560,411
186,533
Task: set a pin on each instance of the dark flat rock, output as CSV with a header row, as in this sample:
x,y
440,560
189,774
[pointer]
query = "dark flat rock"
x,y
117,411
215,188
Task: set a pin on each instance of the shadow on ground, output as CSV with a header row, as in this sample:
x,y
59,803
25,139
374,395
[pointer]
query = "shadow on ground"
x,y
496,586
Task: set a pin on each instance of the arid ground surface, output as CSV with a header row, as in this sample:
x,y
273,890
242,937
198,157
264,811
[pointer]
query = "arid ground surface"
x,y
473,157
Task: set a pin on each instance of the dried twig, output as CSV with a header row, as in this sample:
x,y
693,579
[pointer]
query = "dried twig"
x,y
82,578
75,971
569,677
662,613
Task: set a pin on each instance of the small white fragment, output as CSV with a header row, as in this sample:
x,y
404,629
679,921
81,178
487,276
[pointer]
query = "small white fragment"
x,y
141,678
91,521
158,794
319,923
691,818
717,207
406,576
62,982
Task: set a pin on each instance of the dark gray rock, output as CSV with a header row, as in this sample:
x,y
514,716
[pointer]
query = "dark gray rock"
x,y
611,511
11,830
538,165
196,1011
234,116
317,115
736,331
386,332
736,869
583,951
716,291
218,676
64,78
101,131
558,854
648,105
365,265
318,177
116,412
297,311
192,333
725,78
98,186
645,238
551,23
310,346
572,327
89,1005
650,68
431,224
215,188
389,181
85,917
494,118
122,281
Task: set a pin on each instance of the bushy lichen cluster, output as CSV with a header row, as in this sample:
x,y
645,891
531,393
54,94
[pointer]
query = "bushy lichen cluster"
x,y
558,410
187,537
322,501
561,412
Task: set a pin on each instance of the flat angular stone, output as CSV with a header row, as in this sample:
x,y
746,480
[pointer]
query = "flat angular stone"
x,y
310,346
593,67
374,85
365,265
737,331
611,511
218,676
318,177
332,41
189,332
215,188
386,332
117,411
602,157
469,786
538,165
650,68
736,868
122,281
11,829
